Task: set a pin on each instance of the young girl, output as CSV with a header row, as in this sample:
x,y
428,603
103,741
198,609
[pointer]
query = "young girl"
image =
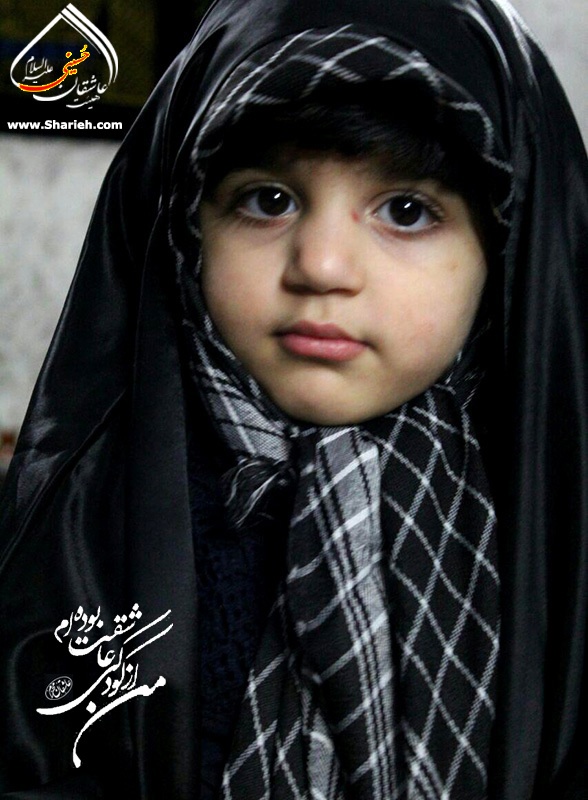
x,y
299,506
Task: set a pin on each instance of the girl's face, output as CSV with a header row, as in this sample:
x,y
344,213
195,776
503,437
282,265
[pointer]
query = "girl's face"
x,y
343,289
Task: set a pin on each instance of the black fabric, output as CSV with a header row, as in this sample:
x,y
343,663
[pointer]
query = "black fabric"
x,y
236,580
236,585
95,509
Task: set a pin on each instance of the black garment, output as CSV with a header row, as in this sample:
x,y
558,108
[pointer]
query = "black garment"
x,y
96,504
236,575
236,586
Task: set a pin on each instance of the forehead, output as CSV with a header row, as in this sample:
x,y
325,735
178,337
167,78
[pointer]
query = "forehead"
x,y
283,155
355,136
292,163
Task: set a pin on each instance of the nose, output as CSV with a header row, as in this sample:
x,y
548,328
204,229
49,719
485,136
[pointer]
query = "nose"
x,y
325,252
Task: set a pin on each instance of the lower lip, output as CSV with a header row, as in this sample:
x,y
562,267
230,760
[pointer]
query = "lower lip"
x,y
324,349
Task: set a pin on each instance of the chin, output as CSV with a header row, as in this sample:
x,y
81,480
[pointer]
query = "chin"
x,y
308,409
326,412
327,409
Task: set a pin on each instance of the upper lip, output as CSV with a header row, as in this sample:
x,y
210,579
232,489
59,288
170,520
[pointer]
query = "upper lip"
x,y
318,330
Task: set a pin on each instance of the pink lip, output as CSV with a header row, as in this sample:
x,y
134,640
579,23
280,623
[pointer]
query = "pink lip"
x,y
324,341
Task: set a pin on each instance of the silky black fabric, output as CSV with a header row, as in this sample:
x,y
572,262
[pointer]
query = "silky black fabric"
x,y
95,509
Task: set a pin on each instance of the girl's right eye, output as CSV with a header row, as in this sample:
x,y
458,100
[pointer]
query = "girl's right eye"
x,y
266,202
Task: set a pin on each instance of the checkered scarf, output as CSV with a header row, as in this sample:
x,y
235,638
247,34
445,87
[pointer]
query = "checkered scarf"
x,y
375,675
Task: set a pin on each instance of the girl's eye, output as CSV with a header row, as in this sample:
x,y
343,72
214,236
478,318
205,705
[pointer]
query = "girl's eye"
x,y
408,212
266,202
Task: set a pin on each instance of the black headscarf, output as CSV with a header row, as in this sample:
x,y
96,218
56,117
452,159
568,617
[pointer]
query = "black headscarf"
x,y
96,504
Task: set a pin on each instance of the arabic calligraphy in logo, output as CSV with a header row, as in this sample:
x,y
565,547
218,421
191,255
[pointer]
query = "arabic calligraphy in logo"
x,y
117,683
74,87
58,688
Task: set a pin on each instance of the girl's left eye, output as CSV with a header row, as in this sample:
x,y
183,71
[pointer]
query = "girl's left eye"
x,y
408,212
266,202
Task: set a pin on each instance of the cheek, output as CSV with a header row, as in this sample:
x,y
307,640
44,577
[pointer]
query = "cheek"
x,y
426,321
236,294
216,288
226,301
223,279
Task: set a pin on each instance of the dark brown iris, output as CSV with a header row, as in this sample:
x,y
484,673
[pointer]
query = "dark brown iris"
x,y
273,201
405,211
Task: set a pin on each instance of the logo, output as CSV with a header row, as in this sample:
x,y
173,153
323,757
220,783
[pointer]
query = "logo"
x,y
58,688
73,77
116,660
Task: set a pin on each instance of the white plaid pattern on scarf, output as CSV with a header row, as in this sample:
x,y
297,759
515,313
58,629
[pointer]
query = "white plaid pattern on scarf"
x,y
374,678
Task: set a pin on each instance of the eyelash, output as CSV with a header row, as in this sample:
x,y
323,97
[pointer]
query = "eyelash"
x,y
425,205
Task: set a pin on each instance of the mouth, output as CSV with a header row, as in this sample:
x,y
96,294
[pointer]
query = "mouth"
x,y
322,341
